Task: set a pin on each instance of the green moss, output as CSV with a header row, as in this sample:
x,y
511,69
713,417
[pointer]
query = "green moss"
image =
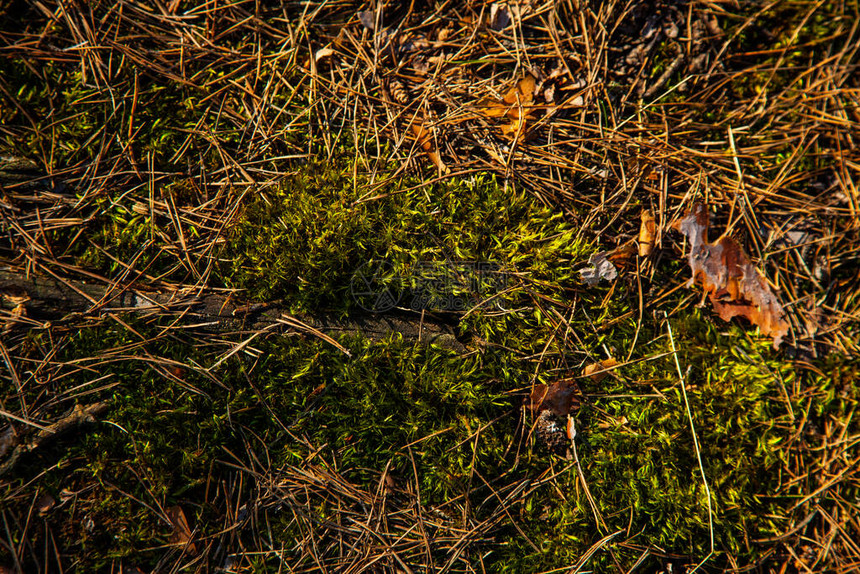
x,y
635,444
305,240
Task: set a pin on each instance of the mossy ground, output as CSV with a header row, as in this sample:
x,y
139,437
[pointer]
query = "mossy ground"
x,y
298,401
280,453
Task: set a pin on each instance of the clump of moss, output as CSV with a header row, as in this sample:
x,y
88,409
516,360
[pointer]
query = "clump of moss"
x,y
305,240
168,435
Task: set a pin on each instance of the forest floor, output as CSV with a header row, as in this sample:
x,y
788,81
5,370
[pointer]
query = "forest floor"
x,y
470,286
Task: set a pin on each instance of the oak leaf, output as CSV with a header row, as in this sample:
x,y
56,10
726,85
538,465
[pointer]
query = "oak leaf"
x,y
735,287
559,398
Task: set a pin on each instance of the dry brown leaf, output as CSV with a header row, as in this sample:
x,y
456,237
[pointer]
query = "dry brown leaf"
x,y
45,503
558,398
734,286
181,532
425,140
515,107
322,53
624,256
598,371
519,100
647,233
523,93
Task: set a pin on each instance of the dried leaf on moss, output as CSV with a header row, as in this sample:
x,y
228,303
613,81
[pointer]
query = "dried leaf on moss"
x,y
735,287
598,371
181,532
559,398
624,256
601,268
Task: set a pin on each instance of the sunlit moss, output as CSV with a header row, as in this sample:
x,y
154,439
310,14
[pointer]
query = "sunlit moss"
x,y
305,239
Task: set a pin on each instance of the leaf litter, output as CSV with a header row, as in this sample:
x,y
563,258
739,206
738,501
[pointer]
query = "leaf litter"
x,y
599,268
181,534
551,403
515,107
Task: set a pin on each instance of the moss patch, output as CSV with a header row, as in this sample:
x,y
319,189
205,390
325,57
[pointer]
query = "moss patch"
x,y
396,404
306,239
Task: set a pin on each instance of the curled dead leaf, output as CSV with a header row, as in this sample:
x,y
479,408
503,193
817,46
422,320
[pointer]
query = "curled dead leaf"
x,y
45,503
425,139
181,532
515,107
322,53
647,233
523,93
601,268
624,256
598,371
559,398
735,287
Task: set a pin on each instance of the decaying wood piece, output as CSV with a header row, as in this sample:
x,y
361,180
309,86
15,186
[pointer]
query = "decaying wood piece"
x,y
17,169
48,299
79,415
